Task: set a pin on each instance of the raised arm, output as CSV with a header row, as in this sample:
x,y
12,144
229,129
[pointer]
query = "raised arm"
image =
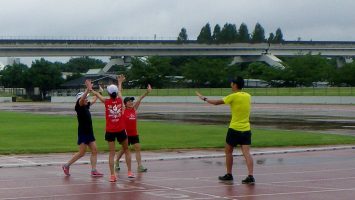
x,y
210,101
138,102
120,79
99,96
88,85
93,101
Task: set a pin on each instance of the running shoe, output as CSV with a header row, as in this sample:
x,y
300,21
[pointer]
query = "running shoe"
x,y
131,175
226,177
249,180
95,173
113,178
117,166
142,169
66,170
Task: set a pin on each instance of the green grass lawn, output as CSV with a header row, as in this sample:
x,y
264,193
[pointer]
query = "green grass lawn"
x,y
33,133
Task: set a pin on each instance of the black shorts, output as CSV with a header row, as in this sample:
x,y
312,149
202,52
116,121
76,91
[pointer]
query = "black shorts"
x,y
85,138
234,137
133,139
112,136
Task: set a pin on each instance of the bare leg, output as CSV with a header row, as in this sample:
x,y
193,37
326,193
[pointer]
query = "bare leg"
x,y
228,150
127,154
111,157
137,148
119,155
78,155
248,158
93,157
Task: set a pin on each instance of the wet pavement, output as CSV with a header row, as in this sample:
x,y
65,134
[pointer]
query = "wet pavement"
x,y
317,174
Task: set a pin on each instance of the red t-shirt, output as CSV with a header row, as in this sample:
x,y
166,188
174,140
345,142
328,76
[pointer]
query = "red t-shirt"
x,y
113,110
130,119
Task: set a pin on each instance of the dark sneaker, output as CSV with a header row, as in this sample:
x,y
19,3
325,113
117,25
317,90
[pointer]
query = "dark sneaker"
x,y
249,180
117,166
227,177
142,169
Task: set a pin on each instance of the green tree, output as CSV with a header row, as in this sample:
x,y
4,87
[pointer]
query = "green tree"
x,y
345,75
45,75
307,69
278,36
82,64
205,72
243,33
150,70
258,34
229,34
205,36
182,38
256,70
271,38
235,70
216,36
13,76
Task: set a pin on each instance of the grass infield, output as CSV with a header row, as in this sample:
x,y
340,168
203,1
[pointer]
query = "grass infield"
x,y
34,133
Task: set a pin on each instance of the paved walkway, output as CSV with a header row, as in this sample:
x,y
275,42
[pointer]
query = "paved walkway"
x,y
7,161
324,173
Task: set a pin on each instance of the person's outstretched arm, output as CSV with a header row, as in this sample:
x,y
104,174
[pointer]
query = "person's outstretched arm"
x,y
120,79
210,101
98,95
138,102
87,90
94,99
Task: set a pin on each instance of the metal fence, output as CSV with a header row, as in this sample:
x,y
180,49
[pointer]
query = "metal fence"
x,y
12,91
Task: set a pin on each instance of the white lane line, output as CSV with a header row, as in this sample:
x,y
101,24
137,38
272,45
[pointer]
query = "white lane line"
x,y
19,159
184,190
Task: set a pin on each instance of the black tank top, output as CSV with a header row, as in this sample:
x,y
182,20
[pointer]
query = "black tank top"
x,y
84,118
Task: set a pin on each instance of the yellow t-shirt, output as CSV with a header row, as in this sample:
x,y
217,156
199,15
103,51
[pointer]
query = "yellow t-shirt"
x,y
240,103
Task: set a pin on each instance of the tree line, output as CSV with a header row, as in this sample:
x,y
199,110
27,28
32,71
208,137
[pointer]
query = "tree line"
x,y
230,34
168,72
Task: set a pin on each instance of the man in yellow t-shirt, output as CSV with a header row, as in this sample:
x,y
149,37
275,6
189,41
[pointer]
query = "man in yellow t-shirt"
x,y
239,132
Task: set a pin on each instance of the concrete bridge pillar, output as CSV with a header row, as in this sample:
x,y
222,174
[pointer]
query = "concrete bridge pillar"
x,y
269,59
121,61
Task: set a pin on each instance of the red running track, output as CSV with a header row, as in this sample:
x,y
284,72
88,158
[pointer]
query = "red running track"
x,y
308,175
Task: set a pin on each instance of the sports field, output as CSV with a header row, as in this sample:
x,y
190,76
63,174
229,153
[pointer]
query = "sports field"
x,y
37,133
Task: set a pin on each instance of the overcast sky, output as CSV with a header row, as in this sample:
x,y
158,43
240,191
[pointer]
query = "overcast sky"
x,y
142,19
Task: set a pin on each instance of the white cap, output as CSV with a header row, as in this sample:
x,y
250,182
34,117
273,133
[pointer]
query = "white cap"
x,y
112,88
79,95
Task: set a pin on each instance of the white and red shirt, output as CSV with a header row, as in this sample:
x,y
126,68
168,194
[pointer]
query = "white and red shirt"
x,y
130,119
114,113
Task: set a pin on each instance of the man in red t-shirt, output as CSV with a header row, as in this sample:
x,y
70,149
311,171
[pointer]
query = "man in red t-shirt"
x,y
115,127
130,119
